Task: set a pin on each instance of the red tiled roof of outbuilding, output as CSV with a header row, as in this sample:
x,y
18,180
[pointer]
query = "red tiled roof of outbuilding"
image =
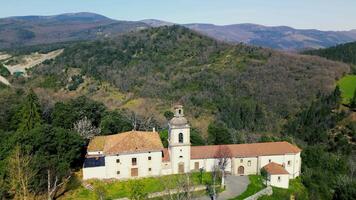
x,y
274,168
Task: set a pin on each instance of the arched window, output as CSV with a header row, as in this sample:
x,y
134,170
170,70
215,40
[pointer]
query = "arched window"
x,y
180,137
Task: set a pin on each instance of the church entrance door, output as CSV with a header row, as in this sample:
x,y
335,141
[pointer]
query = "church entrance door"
x,y
181,168
241,170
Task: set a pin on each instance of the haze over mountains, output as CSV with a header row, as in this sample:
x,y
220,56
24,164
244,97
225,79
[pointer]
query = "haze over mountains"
x,y
32,30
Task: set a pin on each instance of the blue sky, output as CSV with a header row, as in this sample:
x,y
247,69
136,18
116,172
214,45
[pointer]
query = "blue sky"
x,y
320,14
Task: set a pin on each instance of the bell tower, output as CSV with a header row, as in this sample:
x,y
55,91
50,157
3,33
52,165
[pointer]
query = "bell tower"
x,y
179,141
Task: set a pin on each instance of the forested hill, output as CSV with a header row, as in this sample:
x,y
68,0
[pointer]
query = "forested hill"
x,y
343,52
248,88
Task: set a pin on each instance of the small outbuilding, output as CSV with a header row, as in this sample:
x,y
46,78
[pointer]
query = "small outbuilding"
x,y
277,175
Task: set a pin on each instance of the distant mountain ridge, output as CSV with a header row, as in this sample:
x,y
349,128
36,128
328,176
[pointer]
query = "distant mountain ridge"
x,y
32,30
277,37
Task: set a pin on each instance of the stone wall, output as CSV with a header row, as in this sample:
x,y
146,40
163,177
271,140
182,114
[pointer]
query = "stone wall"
x,y
267,191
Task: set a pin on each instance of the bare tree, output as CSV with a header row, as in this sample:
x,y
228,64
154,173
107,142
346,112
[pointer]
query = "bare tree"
x,y
21,174
141,123
214,176
179,187
53,185
85,128
223,156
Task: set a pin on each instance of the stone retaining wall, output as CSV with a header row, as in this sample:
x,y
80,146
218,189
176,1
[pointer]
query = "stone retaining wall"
x,y
267,191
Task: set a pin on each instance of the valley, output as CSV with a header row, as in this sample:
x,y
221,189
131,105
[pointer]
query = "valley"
x,y
79,88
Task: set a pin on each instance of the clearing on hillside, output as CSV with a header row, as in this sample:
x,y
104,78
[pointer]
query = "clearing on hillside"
x,y
347,86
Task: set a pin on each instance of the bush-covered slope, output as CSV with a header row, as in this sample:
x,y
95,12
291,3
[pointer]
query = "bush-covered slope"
x,y
343,52
248,88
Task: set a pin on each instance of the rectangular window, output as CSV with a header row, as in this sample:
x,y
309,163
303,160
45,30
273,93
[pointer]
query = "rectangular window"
x,y
117,160
180,156
149,169
149,158
241,160
118,172
134,161
196,166
134,172
249,163
269,160
289,162
279,179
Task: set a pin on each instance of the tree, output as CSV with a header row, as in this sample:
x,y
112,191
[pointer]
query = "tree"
x,y
21,174
53,186
264,175
65,114
218,133
224,156
114,122
85,129
30,114
179,187
168,115
195,138
353,101
55,152
214,178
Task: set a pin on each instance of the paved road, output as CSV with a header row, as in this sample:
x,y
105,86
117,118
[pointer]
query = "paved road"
x,y
235,185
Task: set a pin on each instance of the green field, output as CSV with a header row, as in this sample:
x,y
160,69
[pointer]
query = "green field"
x,y
347,86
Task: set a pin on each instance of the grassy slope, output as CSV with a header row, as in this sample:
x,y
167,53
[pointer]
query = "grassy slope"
x,y
347,86
119,189
296,188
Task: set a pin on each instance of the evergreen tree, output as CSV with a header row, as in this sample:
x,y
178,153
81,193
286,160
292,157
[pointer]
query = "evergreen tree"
x,y
353,101
218,133
30,114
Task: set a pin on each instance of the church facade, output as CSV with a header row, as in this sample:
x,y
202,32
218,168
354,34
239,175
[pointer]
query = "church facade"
x,y
136,154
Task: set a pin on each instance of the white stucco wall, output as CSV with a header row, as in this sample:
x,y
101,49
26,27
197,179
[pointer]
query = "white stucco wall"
x,y
166,168
279,180
293,167
248,163
208,164
125,165
94,172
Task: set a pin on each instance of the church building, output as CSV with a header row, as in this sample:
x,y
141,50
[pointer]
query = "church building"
x,y
137,154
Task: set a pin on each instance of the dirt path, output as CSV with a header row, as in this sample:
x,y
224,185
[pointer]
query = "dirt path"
x,y
32,60
4,56
4,80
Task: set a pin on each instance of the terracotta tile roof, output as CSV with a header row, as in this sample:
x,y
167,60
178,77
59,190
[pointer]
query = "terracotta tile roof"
x,y
274,168
97,143
244,150
166,157
127,142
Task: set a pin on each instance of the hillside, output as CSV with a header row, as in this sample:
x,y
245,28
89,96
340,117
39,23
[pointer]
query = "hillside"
x,y
343,52
238,84
276,37
32,30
